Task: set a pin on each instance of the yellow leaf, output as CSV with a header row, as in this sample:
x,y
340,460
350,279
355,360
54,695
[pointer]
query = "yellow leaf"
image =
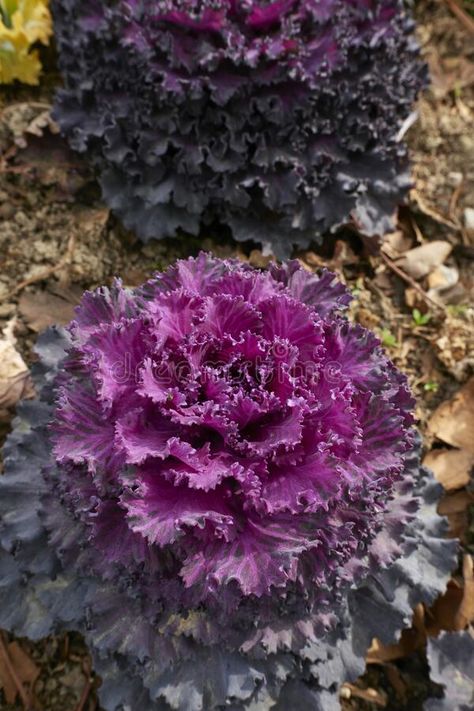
x,y
22,24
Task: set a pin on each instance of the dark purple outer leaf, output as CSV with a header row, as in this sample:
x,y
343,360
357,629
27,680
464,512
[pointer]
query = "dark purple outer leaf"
x,y
227,501
278,119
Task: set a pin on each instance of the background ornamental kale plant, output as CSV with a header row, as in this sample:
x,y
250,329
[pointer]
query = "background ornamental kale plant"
x,y
279,119
219,485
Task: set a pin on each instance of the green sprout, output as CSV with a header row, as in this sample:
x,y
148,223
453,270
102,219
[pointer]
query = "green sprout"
x,y
431,386
388,339
420,319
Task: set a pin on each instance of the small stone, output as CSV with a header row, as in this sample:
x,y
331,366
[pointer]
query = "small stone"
x,y
455,178
443,277
469,218
421,261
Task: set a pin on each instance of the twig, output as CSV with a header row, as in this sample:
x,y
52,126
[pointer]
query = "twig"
x,y
41,276
462,16
431,212
408,279
453,203
5,157
87,688
84,696
25,697
46,273
420,238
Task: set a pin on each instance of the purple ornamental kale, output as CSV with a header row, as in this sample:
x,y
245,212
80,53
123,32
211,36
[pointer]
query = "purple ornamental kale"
x,y
278,119
219,486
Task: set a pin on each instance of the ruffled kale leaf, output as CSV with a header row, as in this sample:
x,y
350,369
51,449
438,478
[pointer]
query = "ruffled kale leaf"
x,y
219,486
280,119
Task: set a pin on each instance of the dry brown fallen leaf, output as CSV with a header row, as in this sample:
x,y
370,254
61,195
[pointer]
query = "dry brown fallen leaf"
x,y
380,653
45,158
396,243
454,610
410,640
451,467
421,261
455,507
442,614
92,220
24,667
465,613
41,309
453,421
397,681
453,503
6,682
15,380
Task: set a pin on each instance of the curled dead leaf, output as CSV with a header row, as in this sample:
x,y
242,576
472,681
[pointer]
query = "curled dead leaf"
x,y
455,503
15,662
442,614
465,613
451,467
453,421
42,309
410,640
396,243
15,382
456,508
